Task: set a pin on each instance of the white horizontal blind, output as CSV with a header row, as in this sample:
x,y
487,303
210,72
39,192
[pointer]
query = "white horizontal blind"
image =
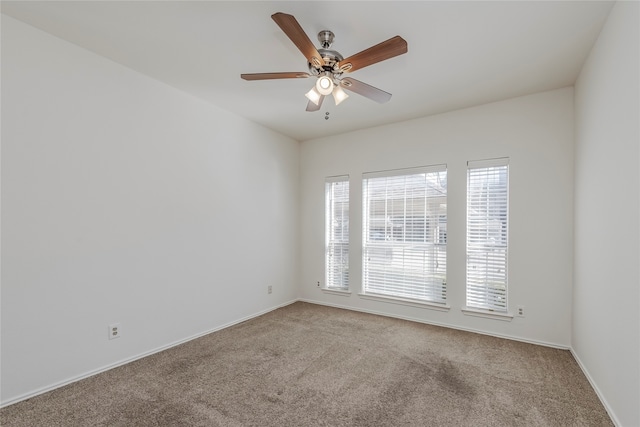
x,y
487,233
337,233
405,233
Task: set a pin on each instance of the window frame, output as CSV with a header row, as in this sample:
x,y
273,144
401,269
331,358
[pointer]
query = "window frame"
x,y
331,242
473,299
431,298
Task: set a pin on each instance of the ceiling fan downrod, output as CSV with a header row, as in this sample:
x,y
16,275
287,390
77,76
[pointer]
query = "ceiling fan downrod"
x,y
328,66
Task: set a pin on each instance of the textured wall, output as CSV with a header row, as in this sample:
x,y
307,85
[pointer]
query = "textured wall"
x,y
536,133
124,200
606,324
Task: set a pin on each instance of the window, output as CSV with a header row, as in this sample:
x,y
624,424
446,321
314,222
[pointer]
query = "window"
x,y
405,233
487,211
337,233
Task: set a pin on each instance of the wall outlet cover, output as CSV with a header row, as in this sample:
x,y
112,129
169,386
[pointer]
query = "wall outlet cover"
x,y
115,330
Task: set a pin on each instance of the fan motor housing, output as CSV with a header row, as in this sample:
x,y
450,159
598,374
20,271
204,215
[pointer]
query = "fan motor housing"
x,y
330,58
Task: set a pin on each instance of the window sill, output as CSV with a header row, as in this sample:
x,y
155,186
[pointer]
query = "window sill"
x,y
341,292
405,301
506,317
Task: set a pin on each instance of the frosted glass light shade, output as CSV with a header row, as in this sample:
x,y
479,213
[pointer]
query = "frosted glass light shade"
x,y
313,95
324,85
339,95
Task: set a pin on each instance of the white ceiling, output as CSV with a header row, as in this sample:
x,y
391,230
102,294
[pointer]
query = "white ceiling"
x,y
461,54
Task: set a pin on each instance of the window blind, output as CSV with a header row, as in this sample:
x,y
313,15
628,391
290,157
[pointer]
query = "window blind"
x,y
405,233
337,233
487,234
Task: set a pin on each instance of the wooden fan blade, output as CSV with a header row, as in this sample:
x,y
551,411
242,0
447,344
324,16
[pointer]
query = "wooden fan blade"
x,y
268,76
387,49
365,90
294,31
313,107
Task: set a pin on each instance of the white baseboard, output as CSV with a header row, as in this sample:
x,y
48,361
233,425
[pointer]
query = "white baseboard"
x,y
91,373
235,322
444,325
596,389
604,402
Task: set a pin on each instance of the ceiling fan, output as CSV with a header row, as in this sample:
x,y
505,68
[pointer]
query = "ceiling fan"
x,y
329,66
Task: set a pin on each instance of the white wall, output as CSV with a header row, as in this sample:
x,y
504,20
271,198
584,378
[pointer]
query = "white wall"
x,y
606,324
125,200
117,206
536,133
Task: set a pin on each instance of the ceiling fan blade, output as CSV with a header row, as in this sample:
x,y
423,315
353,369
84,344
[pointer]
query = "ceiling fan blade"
x,y
268,76
294,31
313,107
387,49
365,90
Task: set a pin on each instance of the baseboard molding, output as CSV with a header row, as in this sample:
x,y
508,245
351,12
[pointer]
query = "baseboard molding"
x,y
444,325
91,373
252,316
604,402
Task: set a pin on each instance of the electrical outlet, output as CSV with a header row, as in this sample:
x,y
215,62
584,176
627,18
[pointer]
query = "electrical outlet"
x,y
115,330
520,311
318,284
269,289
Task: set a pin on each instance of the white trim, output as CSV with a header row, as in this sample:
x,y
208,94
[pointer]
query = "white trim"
x,y
344,293
473,226
406,301
507,317
328,214
444,325
600,395
413,319
406,171
475,164
336,178
91,373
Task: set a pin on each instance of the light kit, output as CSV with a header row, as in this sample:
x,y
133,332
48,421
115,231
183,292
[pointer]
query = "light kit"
x,y
329,66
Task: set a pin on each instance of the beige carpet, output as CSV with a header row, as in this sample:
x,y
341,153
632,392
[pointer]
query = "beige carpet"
x,y
310,365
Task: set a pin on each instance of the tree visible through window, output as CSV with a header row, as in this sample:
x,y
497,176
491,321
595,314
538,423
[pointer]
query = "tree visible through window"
x,y
405,233
337,233
487,210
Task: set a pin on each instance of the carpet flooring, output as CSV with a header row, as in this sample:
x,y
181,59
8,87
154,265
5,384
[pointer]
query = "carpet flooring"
x,y
311,365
